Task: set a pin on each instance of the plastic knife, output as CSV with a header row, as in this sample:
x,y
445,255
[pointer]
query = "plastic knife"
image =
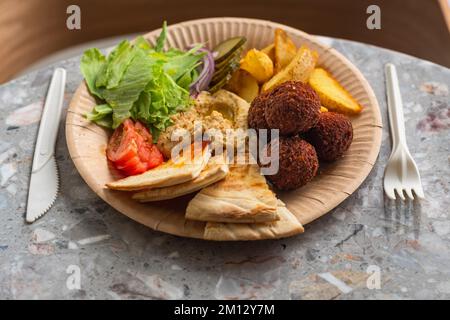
x,y
44,182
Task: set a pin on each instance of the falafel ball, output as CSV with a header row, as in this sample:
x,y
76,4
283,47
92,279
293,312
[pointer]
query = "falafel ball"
x,y
292,107
331,136
256,118
298,163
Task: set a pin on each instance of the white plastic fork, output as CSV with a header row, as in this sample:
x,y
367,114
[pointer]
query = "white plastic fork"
x,y
401,175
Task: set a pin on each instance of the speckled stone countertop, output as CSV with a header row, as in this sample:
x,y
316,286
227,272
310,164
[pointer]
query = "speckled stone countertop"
x,y
367,248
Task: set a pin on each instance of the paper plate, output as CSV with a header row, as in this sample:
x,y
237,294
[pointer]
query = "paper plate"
x,y
87,141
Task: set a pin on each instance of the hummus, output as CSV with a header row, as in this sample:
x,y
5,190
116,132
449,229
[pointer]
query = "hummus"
x,y
220,111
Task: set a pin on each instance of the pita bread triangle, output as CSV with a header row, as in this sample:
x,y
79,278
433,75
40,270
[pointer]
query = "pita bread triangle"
x,y
214,171
243,196
287,225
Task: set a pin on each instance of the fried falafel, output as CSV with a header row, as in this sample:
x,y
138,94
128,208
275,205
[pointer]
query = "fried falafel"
x,y
298,163
256,118
331,136
292,107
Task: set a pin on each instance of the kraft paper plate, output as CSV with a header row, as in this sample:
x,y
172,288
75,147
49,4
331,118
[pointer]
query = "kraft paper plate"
x,y
87,142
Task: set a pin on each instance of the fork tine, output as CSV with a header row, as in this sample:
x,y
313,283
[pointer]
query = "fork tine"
x,y
409,194
390,193
419,192
400,193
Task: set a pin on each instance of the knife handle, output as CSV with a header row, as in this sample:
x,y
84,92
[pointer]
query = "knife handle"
x,y
51,116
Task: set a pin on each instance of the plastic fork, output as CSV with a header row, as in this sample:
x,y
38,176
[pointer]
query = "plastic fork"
x,y
401,175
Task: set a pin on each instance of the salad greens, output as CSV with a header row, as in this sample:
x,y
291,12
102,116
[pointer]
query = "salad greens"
x,y
140,81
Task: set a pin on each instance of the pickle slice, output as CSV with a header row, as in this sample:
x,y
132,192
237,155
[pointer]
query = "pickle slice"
x,y
220,84
219,74
227,47
235,56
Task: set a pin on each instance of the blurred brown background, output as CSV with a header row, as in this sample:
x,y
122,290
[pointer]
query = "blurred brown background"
x,y
33,29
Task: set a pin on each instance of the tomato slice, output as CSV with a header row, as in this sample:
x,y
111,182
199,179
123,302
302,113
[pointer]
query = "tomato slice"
x,y
153,157
143,132
136,169
147,151
132,162
131,149
122,145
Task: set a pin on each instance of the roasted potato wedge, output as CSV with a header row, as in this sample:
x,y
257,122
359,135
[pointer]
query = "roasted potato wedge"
x,y
299,69
270,51
332,95
285,50
244,85
258,64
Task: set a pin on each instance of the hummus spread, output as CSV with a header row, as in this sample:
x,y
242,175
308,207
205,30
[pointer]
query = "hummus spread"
x,y
220,111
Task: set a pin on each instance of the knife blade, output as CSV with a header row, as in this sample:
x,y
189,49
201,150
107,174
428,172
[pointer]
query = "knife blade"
x,y
44,181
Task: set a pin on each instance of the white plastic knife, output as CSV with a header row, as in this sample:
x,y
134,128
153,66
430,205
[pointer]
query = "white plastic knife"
x,y
44,182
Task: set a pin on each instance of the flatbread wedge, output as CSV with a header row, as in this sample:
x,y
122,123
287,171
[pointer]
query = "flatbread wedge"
x,y
243,196
168,174
287,225
214,171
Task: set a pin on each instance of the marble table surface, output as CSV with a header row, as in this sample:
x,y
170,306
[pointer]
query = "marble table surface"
x,y
367,248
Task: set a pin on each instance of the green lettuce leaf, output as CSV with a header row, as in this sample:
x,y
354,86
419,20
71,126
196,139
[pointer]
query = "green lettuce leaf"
x,y
161,40
142,43
168,98
133,82
178,66
142,106
117,62
92,62
185,80
102,115
99,112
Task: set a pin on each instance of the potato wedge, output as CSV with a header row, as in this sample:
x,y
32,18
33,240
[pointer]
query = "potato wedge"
x,y
323,109
270,51
285,50
332,95
299,69
244,85
258,64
